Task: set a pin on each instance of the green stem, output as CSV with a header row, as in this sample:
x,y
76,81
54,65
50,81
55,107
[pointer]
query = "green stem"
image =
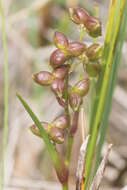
x,y
113,79
71,138
82,34
66,95
5,132
69,150
103,85
93,82
65,187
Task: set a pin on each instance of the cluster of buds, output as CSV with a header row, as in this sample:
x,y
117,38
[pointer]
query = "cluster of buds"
x,y
89,56
69,97
55,129
92,24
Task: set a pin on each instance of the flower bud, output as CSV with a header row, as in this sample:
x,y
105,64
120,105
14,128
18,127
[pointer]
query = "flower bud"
x,y
60,72
76,48
93,69
57,58
93,26
57,135
43,78
74,124
94,52
75,101
34,129
60,122
57,86
82,87
78,15
60,40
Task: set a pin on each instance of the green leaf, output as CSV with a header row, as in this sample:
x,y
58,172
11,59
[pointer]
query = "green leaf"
x,y
114,21
59,165
112,83
44,134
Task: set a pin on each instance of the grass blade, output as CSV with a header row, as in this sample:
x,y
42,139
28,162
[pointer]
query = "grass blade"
x,y
5,130
61,170
116,10
112,83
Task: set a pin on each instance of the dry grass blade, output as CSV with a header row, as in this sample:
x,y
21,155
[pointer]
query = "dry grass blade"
x,y
82,124
100,172
81,164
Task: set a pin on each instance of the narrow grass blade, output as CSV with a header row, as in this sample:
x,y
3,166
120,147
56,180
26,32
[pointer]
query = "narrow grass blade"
x,y
116,11
61,170
5,130
112,83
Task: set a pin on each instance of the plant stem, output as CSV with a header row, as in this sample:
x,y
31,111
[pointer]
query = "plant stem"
x,y
82,33
69,150
108,104
65,187
67,96
104,80
70,138
93,81
5,132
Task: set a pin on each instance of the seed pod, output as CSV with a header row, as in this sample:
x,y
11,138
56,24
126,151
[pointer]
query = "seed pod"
x,y
93,69
43,78
60,72
78,15
61,170
74,125
60,122
76,48
34,129
57,58
81,87
57,135
75,101
60,40
57,86
94,52
93,26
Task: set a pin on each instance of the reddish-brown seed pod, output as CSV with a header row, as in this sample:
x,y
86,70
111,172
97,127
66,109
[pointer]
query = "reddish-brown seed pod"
x,y
74,124
94,52
82,87
76,48
60,40
75,101
60,122
43,78
57,58
93,26
57,135
78,15
34,129
58,86
60,72
61,170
